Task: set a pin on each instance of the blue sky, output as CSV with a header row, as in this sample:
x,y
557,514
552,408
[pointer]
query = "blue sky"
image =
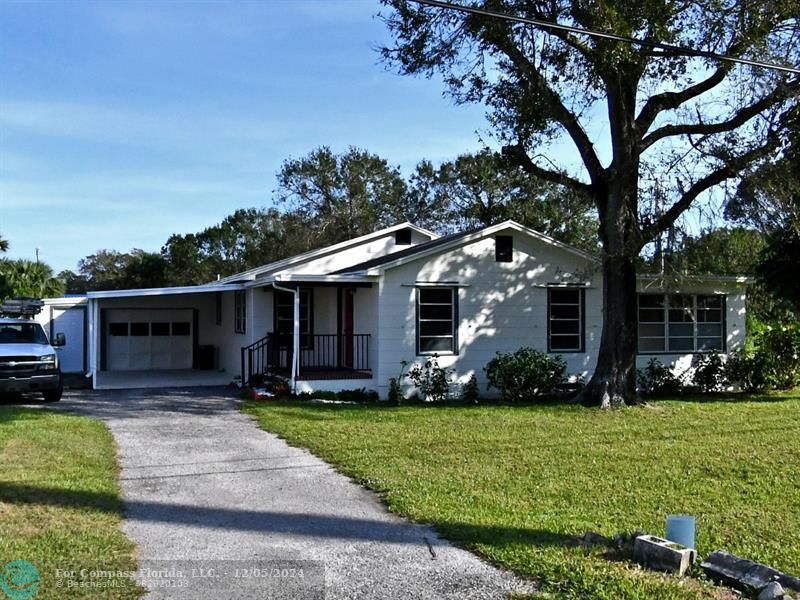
x,y
121,123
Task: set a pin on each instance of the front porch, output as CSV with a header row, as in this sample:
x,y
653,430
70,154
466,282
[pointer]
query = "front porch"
x,y
322,357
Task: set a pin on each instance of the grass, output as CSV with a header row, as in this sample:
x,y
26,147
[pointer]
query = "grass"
x,y
517,484
60,503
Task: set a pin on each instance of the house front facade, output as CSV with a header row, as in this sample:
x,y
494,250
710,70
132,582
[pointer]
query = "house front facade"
x,y
348,316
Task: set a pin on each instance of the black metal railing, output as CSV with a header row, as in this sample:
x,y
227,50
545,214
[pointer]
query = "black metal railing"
x,y
326,351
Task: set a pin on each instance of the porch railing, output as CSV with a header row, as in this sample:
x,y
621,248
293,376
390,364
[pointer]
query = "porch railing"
x,y
327,351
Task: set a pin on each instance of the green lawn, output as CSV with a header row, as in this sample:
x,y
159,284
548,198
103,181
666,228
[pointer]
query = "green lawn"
x,y
59,499
517,484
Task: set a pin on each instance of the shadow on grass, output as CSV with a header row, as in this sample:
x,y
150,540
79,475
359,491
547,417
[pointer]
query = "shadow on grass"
x,y
389,530
728,397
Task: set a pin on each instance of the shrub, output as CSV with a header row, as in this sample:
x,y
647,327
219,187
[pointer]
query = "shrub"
x,y
359,396
432,380
709,371
470,393
395,394
657,379
770,361
525,374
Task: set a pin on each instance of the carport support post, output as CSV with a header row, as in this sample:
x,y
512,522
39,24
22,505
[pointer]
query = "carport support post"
x,y
296,340
295,332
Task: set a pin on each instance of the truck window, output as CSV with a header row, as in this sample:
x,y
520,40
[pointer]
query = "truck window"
x,y
22,333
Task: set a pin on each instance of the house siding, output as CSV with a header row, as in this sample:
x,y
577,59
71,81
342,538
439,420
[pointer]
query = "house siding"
x,y
502,306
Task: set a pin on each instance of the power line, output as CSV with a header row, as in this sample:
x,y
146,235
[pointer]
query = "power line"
x,y
601,34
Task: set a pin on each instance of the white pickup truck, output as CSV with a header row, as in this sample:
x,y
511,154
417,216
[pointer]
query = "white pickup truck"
x,y
28,360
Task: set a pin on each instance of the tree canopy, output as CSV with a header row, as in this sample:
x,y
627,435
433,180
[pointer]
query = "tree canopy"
x,y
675,126
26,278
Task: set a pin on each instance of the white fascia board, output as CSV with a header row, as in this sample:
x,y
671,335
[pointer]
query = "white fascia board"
x,y
66,301
478,235
166,291
300,278
279,265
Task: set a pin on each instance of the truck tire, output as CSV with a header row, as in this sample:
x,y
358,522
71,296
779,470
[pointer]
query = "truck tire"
x,y
53,395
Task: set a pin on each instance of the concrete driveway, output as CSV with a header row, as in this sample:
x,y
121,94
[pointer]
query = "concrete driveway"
x,y
240,514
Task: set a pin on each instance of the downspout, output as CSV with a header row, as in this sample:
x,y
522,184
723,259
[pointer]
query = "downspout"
x,y
93,339
295,333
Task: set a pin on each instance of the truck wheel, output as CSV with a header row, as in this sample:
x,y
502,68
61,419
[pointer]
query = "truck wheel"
x,y
53,395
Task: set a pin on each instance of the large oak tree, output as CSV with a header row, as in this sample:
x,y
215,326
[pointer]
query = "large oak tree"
x,y
653,130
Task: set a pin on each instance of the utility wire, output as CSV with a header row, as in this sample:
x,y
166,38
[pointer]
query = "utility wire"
x,y
601,34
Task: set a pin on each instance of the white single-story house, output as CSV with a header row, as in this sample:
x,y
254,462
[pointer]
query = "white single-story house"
x,y
347,315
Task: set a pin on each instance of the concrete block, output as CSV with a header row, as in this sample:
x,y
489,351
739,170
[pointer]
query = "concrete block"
x,y
662,555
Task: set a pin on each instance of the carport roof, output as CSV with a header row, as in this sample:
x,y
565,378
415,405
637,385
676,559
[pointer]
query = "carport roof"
x,y
166,291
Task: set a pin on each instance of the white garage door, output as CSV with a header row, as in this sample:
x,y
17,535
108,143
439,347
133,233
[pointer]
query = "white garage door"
x,y
138,340
70,322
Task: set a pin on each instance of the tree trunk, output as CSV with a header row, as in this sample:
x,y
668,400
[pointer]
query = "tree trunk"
x,y
614,380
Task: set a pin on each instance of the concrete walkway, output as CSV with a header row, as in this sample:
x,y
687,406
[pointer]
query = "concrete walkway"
x,y
247,516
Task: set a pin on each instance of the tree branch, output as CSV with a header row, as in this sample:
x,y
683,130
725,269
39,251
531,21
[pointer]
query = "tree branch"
x,y
560,112
657,104
736,121
519,156
731,169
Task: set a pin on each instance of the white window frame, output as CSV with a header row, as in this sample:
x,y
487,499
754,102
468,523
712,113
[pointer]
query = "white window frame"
x,y
581,318
695,337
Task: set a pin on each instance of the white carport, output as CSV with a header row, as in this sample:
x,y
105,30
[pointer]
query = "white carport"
x,y
162,337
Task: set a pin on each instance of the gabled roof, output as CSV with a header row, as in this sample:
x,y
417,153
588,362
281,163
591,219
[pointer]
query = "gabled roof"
x,y
448,242
297,259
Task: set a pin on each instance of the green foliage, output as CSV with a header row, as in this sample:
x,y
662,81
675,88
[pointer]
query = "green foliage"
x,y
484,188
28,279
709,371
358,396
525,374
345,195
778,259
112,270
770,362
657,379
470,393
521,484
3,244
432,381
395,393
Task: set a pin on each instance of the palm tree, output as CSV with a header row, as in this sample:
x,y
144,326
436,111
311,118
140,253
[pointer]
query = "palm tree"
x,y
26,278
3,244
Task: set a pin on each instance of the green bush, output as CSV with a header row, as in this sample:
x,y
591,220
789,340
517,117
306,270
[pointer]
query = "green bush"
x,y
395,394
657,379
470,393
432,380
359,396
770,361
525,374
709,371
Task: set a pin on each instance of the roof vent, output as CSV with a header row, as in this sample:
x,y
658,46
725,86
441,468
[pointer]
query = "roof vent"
x,y
402,237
